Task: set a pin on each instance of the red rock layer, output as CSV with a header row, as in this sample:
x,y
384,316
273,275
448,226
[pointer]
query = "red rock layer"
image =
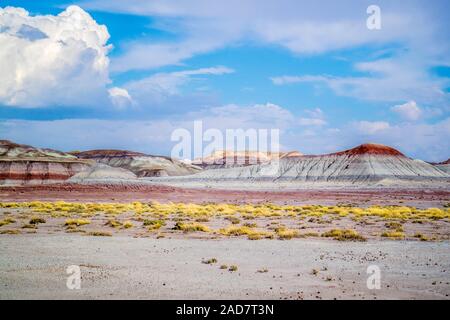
x,y
30,171
371,148
107,153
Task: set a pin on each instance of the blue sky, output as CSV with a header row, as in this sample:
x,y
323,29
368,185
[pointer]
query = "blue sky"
x,y
116,74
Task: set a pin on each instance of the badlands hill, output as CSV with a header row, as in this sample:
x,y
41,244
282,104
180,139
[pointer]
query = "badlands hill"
x,y
365,165
230,159
142,165
443,166
23,164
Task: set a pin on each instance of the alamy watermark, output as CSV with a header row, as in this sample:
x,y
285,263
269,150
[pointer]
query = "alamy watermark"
x,y
373,22
374,280
74,279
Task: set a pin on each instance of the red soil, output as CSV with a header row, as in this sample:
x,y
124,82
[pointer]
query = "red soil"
x,y
371,148
128,193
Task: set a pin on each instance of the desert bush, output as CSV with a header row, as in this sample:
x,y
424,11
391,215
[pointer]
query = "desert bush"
x,y
393,234
233,220
10,231
421,237
344,235
128,224
37,220
233,268
76,222
190,227
29,226
6,221
99,234
210,261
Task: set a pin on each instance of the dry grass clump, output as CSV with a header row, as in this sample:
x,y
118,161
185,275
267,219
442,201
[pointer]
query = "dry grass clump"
x,y
128,224
251,233
233,220
421,237
210,261
393,234
254,236
344,235
6,221
10,231
113,223
394,226
250,225
284,233
99,234
37,220
223,266
29,226
75,230
233,268
191,227
76,222
154,224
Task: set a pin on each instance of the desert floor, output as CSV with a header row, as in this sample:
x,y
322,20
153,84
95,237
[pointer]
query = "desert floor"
x,y
215,244
34,267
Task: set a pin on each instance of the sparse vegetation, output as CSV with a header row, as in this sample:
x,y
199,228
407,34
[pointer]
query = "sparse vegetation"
x,y
191,227
344,235
128,224
154,224
37,220
210,261
259,221
10,231
393,234
286,234
233,268
6,221
113,223
99,234
76,222
421,237
29,226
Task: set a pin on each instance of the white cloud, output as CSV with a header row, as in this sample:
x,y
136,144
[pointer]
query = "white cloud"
x,y
120,97
316,118
301,26
409,111
312,122
423,141
52,60
394,79
371,127
157,87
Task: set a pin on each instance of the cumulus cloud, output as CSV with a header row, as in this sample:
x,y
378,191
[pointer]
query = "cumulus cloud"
x,y
371,127
409,111
120,97
52,59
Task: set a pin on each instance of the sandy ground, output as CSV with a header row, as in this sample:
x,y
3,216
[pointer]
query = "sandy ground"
x,y
34,267
420,198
